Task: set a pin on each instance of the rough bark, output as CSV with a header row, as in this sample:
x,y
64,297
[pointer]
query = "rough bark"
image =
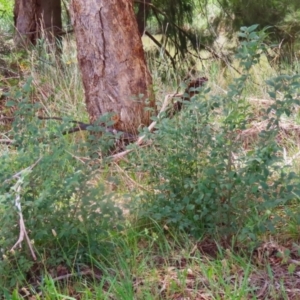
x,y
111,58
35,19
25,24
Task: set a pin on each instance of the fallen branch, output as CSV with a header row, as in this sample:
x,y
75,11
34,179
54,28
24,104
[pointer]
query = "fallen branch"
x,y
81,273
261,101
130,179
23,231
17,187
157,43
6,141
191,90
140,140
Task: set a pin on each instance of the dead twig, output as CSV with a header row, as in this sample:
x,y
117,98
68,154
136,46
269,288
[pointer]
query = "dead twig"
x,y
17,187
82,273
6,141
130,179
23,231
118,156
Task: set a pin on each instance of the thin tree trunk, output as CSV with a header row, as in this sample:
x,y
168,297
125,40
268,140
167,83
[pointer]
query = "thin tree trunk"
x,y
35,19
142,14
49,19
25,23
111,58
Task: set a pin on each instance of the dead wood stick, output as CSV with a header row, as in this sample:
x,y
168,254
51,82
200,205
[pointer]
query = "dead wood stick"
x,y
23,232
140,140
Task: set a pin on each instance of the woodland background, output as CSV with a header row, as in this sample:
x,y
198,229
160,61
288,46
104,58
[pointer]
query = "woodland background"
x,y
202,204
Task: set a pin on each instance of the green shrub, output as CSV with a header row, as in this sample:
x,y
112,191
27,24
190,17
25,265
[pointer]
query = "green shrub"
x,y
6,16
204,181
65,210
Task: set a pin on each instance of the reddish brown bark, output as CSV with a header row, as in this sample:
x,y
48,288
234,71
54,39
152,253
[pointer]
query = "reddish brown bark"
x,y
111,58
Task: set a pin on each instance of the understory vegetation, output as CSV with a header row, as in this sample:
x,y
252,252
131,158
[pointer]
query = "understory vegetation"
x,y
206,208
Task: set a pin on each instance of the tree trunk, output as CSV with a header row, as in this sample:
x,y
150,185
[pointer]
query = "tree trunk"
x,y
35,19
25,24
50,23
111,58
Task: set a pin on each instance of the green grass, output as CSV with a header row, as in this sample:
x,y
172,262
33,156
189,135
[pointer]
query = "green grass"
x,y
154,264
